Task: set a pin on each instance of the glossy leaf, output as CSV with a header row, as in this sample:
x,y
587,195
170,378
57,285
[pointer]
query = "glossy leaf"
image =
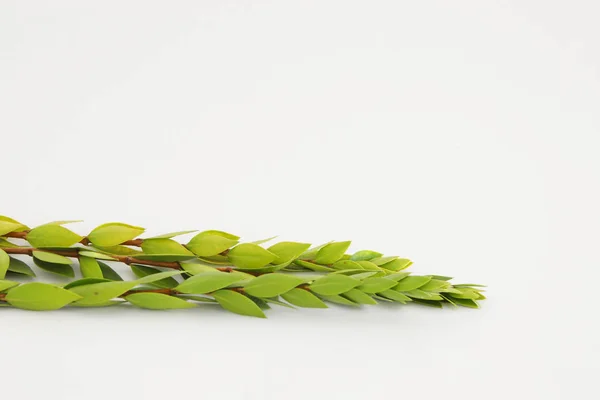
x,y
141,271
96,255
250,256
465,294
8,227
287,251
89,267
312,266
331,252
365,255
84,281
420,294
52,236
369,266
97,293
358,296
4,218
196,268
303,298
238,303
396,296
158,301
376,285
40,296
465,302
271,285
398,276
19,267
114,233
4,263
434,285
346,264
398,264
339,300
60,269
329,285
151,278
211,243
7,284
164,246
109,273
411,283
208,282
51,257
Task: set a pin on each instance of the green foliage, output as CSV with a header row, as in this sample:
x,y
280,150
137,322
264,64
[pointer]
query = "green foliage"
x,y
271,285
331,252
238,303
142,271
164,246
211,243
287,251
208,282
19,267
114,233
303,298
250,256
330,285
4,263
40,296
89,267
7,285
52,236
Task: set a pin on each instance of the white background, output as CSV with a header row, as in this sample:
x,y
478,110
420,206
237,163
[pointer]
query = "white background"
x,y
463,135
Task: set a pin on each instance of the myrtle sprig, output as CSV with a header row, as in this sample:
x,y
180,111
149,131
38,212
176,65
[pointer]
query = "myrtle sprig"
x,y
52,244
242,293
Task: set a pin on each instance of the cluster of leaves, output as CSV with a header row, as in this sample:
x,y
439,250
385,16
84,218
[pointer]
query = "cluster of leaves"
x,y
213,267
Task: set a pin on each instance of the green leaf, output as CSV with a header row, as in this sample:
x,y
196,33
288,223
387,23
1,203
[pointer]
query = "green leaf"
x,y
339,300
275,300
411,283
52,236
196,268
40,296
398,276
364,275
330,285
89,267
397,265
164,246
20,267
271,285
8,227
4,218
60,269
114,233
62,222
211,243
158,276
422,295
237,303
97,293
51,257
208,282
465,294
465,302
347,264
332,252
99,256
303,298
84,281
158,301
109,303
141,271
118,250
171,235
434,285
108,272
6,243
376,285
4,263
7,285
287,251
261,241
396,296
312,266
250,256
369,266
365,255
379,261
441,277
359,297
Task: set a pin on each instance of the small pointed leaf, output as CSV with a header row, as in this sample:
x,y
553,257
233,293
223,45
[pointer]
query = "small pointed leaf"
x,y
208,282
40,296
158,301
271,285
330,285
238,303
114,233
303,298
332,252
250,256
52,236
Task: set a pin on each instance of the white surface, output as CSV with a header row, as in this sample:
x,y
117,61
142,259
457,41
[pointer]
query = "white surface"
x,y
462,134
